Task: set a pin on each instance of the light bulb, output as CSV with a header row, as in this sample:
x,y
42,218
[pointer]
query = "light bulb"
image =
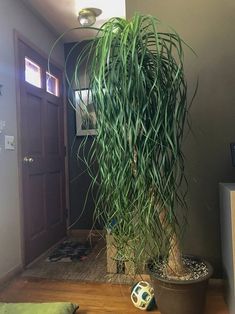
x,y
87,17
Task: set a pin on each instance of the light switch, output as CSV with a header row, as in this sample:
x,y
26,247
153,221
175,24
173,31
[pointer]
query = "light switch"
x,y
9,142
232,148
2,125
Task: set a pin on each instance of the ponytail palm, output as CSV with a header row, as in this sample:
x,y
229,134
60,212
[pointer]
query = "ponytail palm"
x,y
139,90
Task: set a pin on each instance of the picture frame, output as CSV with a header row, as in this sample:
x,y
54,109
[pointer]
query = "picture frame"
x,y
85,113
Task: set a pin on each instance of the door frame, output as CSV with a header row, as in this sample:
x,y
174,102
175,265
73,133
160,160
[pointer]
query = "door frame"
x,y
18,37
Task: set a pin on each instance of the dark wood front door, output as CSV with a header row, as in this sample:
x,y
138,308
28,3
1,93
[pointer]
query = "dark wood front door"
x,y
42,152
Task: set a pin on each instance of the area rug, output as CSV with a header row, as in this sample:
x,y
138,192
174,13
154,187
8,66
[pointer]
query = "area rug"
x,y
91,269
68,251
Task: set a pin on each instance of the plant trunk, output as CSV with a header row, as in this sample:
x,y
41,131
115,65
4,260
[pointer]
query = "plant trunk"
x,y
175,268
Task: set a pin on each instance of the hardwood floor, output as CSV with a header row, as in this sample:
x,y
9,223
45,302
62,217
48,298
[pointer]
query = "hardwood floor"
x,y
92,297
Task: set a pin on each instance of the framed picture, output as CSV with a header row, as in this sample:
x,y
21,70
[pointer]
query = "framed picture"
x,y
85,113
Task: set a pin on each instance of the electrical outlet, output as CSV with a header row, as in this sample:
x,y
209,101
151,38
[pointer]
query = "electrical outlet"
x,y
9,142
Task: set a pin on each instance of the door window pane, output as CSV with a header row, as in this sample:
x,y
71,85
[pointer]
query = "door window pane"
x,y
52,84
32,73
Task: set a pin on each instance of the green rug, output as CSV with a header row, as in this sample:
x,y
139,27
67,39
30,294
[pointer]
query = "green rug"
x,y
38,308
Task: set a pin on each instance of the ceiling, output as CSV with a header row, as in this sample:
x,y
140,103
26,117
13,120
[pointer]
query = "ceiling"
x,y
61,15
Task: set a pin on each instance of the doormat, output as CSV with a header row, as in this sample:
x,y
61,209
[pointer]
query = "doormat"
x,y
69,251
93,269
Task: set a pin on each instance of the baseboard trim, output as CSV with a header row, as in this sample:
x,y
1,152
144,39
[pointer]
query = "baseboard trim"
x,y
11,274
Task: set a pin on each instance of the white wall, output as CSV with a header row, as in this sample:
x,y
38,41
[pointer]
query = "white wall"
x,y
14,15
208,26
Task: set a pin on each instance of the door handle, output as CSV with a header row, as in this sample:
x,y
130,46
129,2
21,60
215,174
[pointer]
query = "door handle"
x,y
28,160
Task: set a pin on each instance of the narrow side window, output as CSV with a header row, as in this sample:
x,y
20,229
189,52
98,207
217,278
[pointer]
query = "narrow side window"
x,y
32,73
52,85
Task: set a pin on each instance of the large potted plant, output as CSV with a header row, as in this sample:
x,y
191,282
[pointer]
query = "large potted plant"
x,y
139,91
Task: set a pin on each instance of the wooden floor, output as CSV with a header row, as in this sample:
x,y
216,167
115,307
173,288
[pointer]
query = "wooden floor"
x,y
92,297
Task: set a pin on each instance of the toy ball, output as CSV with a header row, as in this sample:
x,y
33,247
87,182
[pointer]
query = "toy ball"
x,y
142,296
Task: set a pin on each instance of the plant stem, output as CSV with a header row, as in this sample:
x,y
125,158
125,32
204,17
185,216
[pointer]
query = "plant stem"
x,y
175,267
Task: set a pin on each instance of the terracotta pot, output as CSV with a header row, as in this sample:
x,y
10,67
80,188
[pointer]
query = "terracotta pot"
x,y
180,297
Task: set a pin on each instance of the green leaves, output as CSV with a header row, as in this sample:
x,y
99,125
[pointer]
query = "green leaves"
x,y
139,89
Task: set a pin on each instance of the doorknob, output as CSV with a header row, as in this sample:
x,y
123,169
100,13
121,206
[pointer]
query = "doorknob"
x,y
28,160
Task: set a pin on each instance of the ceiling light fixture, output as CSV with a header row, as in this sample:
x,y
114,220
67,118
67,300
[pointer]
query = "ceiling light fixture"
x,y
87,16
